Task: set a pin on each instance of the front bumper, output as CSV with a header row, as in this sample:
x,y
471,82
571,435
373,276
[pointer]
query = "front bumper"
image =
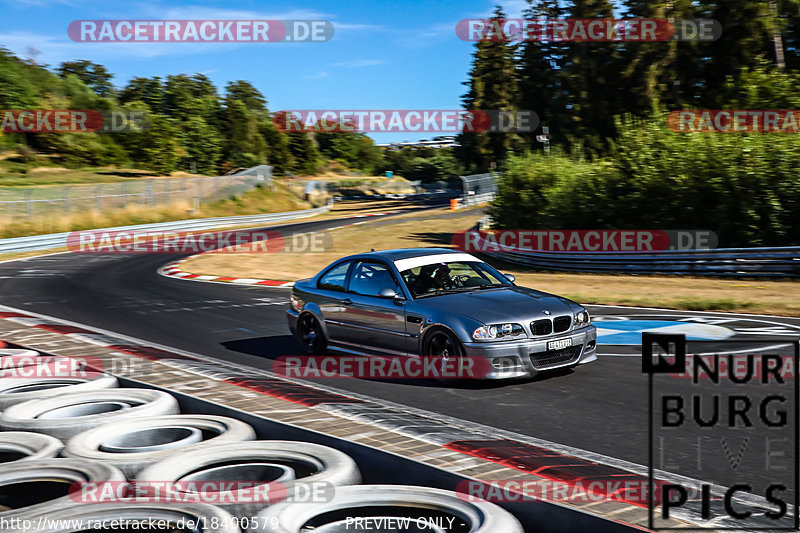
x,y
291,318
511,359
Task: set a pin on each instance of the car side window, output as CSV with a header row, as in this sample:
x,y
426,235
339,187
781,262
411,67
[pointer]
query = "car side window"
x,y
369,279
335,278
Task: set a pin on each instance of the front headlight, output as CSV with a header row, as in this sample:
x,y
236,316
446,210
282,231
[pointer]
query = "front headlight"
x,y
497,331
582,319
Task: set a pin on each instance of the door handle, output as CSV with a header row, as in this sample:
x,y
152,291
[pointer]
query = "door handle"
x,y
347,301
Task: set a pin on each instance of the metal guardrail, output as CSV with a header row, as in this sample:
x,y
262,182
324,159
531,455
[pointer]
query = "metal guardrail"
x,y
59,240
748,262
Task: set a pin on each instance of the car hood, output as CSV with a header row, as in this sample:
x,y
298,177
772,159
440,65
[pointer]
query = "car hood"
x,y
494,306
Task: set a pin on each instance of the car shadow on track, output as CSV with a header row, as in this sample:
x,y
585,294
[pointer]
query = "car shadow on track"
x,y
277,346
267,347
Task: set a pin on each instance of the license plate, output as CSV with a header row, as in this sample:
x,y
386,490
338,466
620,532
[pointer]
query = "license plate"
x,y
559,345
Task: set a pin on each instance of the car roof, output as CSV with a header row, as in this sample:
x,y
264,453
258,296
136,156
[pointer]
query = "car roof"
x,y
404,253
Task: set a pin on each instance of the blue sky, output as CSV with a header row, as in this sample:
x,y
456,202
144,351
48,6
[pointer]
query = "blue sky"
x,y
392,55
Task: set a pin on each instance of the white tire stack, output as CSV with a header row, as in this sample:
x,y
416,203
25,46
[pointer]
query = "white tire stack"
x,y
290,467
66,416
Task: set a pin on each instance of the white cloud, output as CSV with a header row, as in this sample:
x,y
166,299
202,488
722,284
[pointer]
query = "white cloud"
x,y
425,37
359,63
318,75
55,50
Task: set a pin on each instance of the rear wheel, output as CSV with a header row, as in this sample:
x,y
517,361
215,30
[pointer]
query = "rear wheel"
x,y
310,334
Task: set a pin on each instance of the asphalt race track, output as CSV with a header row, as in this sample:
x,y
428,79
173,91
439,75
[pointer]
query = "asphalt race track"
x,y
601,407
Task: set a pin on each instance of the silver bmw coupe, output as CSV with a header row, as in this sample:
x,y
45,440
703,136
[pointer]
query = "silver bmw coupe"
x,y
438,303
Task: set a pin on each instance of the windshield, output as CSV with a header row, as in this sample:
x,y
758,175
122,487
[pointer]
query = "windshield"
x,y
446,277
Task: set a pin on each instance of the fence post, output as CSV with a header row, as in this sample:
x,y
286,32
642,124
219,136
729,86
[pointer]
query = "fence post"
x,y
29,203
196,203
148,191
98,198
65,199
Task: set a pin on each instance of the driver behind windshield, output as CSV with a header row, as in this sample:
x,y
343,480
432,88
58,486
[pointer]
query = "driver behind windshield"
x,y
441,278
432,278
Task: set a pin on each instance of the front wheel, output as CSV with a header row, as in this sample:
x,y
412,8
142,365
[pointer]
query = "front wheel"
x,y
445,349
310,335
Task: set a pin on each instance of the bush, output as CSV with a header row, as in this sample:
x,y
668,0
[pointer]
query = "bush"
x,y
744,187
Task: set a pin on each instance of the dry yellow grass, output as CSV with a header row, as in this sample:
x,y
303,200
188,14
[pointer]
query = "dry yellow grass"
x,y
435,228
250,203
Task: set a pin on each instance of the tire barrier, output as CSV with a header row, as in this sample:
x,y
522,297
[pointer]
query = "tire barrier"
x,y
294,465
66,416
132,445
36,487
23,445
197,518
384,507
18,390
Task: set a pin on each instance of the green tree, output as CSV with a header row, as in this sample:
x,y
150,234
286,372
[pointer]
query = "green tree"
x,y
306,157
17,90
356,149
147,90
92,74
244,92
491,86
159,146
539,63
202,145
245,145
589,76
442,166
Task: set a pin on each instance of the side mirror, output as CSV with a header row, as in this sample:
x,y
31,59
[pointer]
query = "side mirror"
x,y
510,277
388,294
